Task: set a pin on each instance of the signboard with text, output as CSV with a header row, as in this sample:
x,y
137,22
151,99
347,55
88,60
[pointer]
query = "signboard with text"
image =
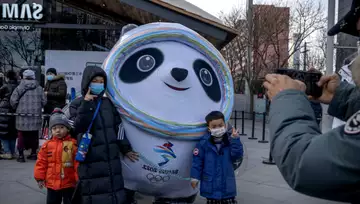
x,y
21,11
20,17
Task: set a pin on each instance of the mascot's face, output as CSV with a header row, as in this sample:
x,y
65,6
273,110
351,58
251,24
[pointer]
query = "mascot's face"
x,y
170,81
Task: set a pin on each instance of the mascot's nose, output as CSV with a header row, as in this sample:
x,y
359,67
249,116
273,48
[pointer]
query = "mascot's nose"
x,y
179,74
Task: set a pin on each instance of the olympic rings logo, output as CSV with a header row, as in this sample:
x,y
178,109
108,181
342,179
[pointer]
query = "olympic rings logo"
x,y
157,178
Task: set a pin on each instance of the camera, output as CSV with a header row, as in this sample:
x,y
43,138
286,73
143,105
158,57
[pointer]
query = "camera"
x,y
308,78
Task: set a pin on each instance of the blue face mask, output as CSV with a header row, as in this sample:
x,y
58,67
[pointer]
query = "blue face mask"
x,y
96,88
50,77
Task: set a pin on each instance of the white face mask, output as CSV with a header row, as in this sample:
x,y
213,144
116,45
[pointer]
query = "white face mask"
x,y
218,132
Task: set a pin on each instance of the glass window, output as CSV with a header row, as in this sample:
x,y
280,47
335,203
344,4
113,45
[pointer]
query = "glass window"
x,y
20,49
80,40
63,13
27,48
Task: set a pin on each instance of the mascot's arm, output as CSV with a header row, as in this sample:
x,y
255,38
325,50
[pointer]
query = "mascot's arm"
x,y
84,115
198,162
123,143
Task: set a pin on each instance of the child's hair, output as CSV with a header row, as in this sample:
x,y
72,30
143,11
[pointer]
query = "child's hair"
x,y
214,115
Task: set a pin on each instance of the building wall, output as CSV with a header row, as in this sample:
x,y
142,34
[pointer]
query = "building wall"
x,y
270,20
264,26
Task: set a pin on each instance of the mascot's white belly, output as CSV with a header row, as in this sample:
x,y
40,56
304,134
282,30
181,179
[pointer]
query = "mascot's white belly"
x,y
146,176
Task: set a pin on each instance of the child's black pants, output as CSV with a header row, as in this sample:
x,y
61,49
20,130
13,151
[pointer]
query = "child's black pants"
x,y
55,197
223,201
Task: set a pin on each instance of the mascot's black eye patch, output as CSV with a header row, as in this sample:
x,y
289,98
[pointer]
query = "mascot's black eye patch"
x,y
141,65
208,79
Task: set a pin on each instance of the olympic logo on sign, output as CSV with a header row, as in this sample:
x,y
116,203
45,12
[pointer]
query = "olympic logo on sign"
x,y
157,178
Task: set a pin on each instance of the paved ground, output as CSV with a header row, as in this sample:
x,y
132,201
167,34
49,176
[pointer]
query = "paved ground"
x,y
257,183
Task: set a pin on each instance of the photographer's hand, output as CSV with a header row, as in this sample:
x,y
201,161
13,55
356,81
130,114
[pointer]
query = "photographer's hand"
x,y
276,83
329,85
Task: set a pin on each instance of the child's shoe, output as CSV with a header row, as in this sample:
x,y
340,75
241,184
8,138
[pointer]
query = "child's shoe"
x,y
32,157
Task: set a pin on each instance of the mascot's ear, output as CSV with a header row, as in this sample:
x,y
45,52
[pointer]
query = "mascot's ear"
x,y
127,28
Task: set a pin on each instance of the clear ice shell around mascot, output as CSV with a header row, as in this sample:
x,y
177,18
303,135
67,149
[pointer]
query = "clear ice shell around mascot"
x,y
164,78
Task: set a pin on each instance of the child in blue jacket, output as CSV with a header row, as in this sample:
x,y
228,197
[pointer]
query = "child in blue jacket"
x,y
213,159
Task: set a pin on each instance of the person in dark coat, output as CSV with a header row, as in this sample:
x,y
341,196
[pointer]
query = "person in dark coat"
x,y
100,174
55,91
2,80
21,76
316,106
7,129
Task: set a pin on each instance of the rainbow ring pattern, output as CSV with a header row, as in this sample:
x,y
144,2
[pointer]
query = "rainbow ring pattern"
x,y
160,32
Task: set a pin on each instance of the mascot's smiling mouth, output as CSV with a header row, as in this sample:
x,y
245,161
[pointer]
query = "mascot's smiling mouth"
x,y
176,88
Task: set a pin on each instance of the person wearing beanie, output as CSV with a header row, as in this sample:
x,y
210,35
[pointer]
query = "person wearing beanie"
x,y
55,90
7,128
28,98
29,74
55,166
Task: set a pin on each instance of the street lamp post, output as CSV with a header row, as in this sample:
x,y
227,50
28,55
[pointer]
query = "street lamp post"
x,y
249,17
327,119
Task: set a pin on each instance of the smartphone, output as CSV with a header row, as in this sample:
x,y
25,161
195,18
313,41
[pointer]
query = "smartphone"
x,y
309,78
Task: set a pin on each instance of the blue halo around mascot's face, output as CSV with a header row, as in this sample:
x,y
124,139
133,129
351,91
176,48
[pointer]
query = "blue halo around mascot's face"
x,y
164,78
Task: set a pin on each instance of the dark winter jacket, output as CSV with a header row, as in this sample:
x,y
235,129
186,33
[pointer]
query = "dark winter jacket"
x,y
214,168
100,174
7,123
56,93
323,165
316,106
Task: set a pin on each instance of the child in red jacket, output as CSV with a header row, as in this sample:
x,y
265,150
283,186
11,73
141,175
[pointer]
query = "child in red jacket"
x,y
55,167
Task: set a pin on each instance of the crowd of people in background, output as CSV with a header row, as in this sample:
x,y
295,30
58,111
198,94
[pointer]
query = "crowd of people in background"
x,y
21,93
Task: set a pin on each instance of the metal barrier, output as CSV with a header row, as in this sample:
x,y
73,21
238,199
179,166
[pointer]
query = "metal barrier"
x,y
263,140
235,118
263,130
25,114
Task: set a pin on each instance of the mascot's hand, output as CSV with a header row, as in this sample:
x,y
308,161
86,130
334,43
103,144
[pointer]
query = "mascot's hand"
x,y
235,133
194,183
133,156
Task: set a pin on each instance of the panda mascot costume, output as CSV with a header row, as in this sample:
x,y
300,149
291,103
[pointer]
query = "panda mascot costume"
x,y
164,78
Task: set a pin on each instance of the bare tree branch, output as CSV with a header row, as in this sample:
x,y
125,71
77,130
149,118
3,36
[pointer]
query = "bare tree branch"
x,y
272,27
25,44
